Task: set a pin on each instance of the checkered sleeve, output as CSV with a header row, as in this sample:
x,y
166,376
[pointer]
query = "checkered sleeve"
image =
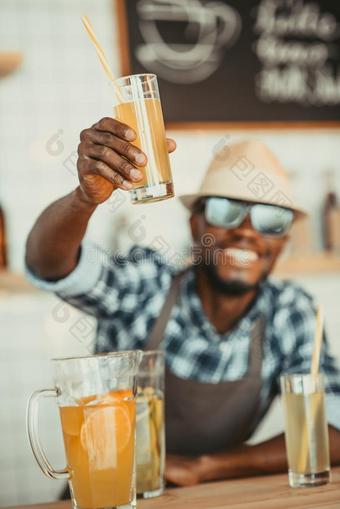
x,y
80,280
101,284
295,324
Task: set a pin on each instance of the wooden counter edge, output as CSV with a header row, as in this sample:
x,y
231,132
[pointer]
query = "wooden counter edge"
x,y
237,487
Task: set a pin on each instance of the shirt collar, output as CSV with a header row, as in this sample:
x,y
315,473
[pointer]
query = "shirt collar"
x,y
199,318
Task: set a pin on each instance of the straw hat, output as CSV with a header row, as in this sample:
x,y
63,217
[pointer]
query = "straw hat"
x,y
249,171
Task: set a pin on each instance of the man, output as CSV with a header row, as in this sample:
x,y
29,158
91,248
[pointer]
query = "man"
x,y
228,330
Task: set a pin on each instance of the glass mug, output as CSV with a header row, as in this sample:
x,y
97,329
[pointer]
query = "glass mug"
x,y
306,430
139,107
150,450
96,399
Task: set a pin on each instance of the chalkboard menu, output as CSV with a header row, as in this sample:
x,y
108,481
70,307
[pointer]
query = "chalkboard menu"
x,y
237,61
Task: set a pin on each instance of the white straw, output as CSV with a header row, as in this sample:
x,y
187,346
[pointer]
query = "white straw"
x,y
314,410
317,343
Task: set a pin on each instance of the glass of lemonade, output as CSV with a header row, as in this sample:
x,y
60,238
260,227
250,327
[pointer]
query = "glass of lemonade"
x,y
139,107
306,434
150,450
96,399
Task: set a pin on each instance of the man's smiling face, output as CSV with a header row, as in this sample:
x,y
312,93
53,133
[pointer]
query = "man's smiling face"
x,y
236,259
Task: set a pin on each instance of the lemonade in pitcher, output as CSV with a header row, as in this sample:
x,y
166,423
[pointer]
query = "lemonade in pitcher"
x,y
99,442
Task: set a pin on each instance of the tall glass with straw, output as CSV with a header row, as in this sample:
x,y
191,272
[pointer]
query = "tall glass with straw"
x,y
137,104
306,430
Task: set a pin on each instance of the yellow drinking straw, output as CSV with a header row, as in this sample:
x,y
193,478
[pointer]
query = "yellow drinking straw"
x,y
317,343
314,373
101,54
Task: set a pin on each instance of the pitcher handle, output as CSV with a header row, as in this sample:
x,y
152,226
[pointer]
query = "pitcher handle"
x,y
32,419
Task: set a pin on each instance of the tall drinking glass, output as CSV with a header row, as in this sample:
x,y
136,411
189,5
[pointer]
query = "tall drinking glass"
x,y
150,425
306,430
141,109
96,399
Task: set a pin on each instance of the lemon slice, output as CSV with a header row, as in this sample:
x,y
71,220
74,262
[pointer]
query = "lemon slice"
x,y
105,433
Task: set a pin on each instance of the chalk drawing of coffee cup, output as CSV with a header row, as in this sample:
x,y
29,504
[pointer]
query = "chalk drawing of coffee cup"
x,y
191,50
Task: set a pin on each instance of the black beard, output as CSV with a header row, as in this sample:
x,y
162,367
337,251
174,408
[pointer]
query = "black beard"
x,y
234,288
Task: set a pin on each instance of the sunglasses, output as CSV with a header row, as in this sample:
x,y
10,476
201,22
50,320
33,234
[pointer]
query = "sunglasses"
x,y
266,219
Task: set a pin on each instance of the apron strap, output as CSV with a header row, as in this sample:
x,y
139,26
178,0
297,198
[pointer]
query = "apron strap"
x,y
256,346
255,361
157,331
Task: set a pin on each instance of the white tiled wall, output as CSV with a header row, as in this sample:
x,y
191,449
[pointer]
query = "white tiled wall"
x,y
59,90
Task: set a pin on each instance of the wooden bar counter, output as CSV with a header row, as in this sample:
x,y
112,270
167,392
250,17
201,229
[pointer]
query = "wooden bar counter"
x,y
270,492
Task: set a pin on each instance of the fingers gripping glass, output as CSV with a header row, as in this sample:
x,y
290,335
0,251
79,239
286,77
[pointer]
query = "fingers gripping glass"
x,y
266,219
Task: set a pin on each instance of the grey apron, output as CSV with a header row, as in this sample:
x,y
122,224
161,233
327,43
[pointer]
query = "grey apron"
x,y
205,417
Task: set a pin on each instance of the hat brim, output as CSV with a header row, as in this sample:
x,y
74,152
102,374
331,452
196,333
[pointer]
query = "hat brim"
x,y
188,201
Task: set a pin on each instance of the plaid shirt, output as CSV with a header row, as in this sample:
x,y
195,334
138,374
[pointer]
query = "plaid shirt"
x,y
127,294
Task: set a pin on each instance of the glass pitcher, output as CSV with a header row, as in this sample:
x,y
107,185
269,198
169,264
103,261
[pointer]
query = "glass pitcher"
x,y
96,399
